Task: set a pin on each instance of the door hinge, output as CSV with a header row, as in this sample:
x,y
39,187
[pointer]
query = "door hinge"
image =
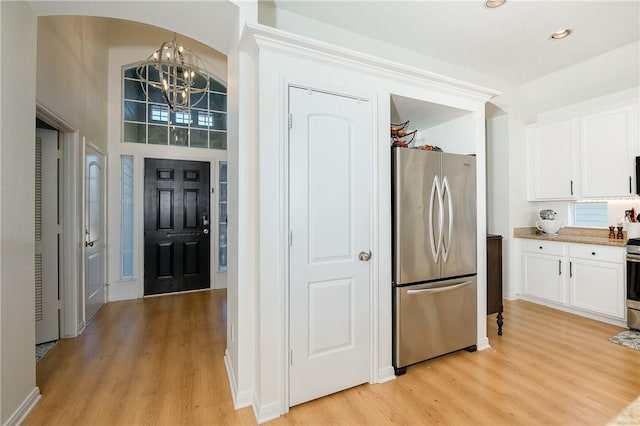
x,y
60,305
290,120
213,190
290,239
290,357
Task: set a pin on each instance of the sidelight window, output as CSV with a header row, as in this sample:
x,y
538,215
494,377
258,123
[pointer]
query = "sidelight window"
x,y
126,226
148,120
222,222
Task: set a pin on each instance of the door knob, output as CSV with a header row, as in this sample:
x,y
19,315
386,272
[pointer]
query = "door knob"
x,y
205,231
365,256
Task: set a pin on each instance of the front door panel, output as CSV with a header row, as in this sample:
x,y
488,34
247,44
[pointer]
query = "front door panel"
x,y
176,226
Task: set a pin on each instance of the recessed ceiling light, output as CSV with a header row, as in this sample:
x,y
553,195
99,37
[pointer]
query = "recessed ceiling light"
x,y
494,3
559,35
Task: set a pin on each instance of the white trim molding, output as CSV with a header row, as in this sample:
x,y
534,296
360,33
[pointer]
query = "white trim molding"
x,y
386,374
257,37
483,343
240,400
25,408
264,413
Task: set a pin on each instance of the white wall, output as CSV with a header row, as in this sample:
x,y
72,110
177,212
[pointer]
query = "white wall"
x,y
498,187
72,73
129,43
241,356
17,150
453,135
611,72
72,83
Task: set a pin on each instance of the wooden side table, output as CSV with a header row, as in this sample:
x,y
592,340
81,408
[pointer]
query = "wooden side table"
x,y
494,278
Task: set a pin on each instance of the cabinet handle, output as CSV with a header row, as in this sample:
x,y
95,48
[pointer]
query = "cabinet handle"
x,y
559,267
540,247
570,269
630,185
593,253
571,186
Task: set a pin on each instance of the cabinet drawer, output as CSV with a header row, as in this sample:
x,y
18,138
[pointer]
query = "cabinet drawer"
x,y
542,247
597,252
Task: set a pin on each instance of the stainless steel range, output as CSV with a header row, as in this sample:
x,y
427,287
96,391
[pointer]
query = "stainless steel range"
x,y
633,283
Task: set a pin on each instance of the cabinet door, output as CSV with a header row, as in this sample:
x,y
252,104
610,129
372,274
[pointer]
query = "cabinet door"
x,y
543,276
608,153
597,287
552,165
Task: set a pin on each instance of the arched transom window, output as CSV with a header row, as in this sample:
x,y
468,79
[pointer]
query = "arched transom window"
x,y
150,121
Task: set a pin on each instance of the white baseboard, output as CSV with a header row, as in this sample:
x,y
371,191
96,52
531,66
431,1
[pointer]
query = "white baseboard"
x,y
386,374
240,399
579,312
25,408
265,413
483,344
511,296
119,292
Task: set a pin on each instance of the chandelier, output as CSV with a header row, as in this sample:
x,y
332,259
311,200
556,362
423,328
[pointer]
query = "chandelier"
x,y
178,72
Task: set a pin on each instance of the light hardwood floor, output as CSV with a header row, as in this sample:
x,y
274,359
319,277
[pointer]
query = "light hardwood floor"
x,y
159,361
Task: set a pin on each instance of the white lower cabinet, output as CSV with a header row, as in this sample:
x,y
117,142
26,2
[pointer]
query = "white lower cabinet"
x,y
596,279
585,278
543,276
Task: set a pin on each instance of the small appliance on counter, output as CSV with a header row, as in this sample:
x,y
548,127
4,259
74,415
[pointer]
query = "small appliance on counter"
x,y
547,214
548,224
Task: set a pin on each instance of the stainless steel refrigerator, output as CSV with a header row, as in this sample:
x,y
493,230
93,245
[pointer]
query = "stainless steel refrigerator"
x,y
434,255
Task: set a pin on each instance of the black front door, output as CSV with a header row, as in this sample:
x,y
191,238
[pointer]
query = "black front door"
x,y
176,226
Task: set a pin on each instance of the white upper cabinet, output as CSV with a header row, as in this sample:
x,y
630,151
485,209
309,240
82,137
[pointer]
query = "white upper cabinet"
x,y
608,150
591,156
552,166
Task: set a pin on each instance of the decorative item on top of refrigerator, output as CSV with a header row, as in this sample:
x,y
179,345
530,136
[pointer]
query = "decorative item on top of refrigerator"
x,y
402,137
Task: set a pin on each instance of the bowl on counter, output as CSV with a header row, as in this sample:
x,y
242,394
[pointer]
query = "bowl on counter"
x,y
549,226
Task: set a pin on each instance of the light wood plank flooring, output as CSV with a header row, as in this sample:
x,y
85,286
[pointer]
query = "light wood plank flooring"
x,y
159,361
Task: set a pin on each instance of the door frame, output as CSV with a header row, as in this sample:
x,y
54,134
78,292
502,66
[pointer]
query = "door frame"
x,y
139,213
373,231
69,265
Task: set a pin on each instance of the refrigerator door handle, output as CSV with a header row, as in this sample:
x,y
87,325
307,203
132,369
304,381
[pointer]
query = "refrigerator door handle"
x,y
439,289
435,195
446,189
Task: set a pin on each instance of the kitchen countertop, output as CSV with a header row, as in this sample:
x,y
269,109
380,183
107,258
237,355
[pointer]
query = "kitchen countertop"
x,y
573,235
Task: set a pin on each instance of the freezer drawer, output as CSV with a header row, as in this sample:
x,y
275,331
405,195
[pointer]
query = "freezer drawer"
x,y
434,319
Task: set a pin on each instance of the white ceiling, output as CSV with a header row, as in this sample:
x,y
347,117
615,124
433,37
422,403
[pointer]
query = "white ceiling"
x,y
510,42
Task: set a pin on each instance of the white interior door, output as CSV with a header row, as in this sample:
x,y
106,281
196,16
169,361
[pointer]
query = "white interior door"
x,y
330,205
95,250
46,236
